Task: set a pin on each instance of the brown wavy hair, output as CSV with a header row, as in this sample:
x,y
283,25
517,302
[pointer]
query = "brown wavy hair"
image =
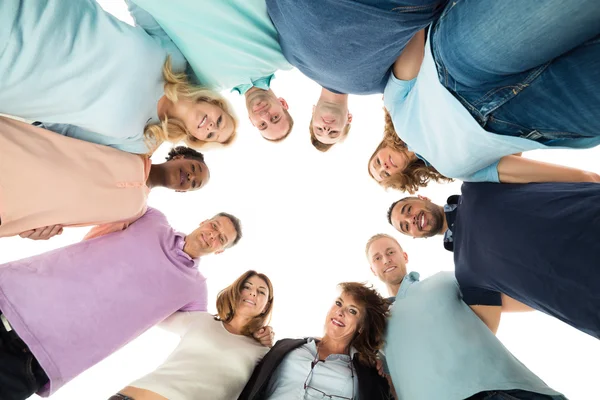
x,y
177,86
369,337
322,146
229,298
416,174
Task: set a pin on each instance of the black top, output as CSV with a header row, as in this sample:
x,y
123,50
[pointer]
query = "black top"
x,y
371,386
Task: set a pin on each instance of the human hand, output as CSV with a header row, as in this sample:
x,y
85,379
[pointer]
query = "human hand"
x,y
379,366
265,336
43,233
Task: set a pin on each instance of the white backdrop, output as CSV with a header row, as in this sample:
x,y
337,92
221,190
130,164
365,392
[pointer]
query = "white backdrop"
x,y
306,218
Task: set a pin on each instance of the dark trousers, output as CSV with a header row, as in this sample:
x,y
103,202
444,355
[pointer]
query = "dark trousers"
x,y
20,373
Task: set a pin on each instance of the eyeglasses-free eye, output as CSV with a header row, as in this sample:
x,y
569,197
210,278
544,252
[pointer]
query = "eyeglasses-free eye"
x,y
324,395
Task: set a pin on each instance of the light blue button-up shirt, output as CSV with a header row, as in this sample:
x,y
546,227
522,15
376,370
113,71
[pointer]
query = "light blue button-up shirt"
x,y
228,43
332,376
437,348
70,62
436,126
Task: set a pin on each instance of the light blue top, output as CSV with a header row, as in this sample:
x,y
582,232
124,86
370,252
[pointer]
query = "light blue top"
x,y
436,126
227,42
437,348
333,376
70,62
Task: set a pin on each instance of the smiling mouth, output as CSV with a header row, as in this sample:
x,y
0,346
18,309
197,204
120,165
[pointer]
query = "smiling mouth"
x,y
181,177
389,269
201,124
250,302
261,106
328,121
393,163
337,323
421,220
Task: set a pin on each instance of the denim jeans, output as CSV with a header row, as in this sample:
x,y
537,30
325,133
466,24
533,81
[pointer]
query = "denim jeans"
x,y
513,395
523,67
20,373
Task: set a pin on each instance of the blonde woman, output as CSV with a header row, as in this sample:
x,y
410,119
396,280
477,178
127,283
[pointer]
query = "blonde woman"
x,y
88,75
217,354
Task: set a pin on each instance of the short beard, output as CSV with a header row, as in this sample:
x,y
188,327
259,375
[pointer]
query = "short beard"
x,y
438,219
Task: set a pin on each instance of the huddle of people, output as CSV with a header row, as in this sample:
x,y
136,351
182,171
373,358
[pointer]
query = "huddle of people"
x,y
467,87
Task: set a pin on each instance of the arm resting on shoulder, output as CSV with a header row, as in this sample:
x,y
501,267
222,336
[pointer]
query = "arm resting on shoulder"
x,y
511,305
514,169
490,315
408,64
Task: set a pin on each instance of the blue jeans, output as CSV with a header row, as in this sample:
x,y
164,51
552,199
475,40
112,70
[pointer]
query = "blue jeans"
x,y
20,373
513,395
523,67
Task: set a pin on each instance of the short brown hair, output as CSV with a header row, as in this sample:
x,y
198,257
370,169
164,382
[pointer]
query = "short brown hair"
x,y
369,337
416,174
229,298
377,237
322,146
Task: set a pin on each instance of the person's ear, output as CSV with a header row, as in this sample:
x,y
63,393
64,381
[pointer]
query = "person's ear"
x,y
219,251
314,107
405,257
349,118
177,157
284,103
373,271
201,223
423,198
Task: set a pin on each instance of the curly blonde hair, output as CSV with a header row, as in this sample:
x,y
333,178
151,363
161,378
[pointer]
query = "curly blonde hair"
x,y
416,174
322,146
177,86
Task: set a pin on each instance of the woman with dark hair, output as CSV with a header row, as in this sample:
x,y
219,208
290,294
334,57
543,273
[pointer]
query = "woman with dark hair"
x,y
217,353
340,365
68,182
88,75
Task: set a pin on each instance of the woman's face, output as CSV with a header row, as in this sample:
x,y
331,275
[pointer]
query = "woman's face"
x,y
344,318
387,162
208,122
253,297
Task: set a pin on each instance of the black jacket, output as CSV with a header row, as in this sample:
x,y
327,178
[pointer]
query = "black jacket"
x,y
371,386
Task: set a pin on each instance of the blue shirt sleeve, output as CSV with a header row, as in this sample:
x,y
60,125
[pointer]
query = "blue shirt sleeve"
x,y
146,21
135,146
475,296
487,174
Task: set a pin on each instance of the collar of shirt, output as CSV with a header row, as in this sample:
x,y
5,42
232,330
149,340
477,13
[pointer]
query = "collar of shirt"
x,y
263,83
423,159
407,281
179,243
450,211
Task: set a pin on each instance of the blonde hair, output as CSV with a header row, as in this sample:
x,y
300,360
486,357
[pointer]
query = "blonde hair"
x,y
177,87
320,145
415,175
377,237
229,298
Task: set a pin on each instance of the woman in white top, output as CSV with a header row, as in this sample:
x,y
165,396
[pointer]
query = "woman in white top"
x,y
217,353
85,74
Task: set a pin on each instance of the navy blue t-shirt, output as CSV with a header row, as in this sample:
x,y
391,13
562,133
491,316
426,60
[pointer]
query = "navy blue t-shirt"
x,y
349,46
538,243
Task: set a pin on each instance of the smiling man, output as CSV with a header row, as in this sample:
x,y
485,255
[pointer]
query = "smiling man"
x,y
537,243
93,297
230,45
436,347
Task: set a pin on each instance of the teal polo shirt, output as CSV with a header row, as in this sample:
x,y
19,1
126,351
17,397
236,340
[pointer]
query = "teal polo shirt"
x,y
437,348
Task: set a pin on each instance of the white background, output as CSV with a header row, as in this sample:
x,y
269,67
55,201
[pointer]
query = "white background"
x,y
306,219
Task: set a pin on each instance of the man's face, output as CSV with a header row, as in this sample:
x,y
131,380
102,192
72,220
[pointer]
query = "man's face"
x,y
329,122
387,260
212,236
417,218
183,174
266,113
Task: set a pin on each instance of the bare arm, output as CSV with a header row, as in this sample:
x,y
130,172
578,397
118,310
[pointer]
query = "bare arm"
x,y
511,305
514,169
408,64
490,315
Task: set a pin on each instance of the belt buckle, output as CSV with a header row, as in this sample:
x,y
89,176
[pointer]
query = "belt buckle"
x,y
6,324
